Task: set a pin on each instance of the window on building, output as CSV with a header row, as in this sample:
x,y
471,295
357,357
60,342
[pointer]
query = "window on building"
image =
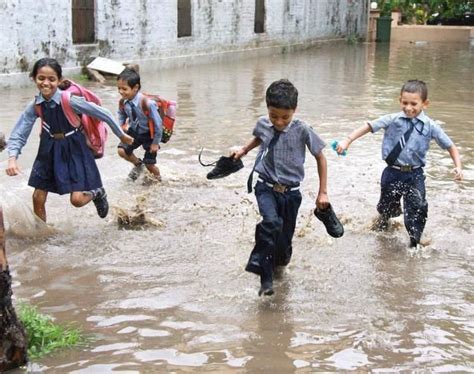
x,y
83,21
259,23
184,18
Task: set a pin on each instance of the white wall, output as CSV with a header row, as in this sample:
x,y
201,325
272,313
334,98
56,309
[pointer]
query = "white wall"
x,y
145,31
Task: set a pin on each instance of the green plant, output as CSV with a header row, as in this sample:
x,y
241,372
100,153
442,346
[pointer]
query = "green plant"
x,y
44,336
80,78
352,39
421,10
385,7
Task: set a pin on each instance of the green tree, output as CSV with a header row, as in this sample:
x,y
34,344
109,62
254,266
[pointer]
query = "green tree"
x,y
422,10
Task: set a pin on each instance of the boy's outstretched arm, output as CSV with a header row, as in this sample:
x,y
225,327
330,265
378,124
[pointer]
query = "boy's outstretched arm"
x,y
254,142
454,153
322,201
356,134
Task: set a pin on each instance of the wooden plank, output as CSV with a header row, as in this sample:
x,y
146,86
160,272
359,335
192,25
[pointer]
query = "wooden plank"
x,y
106,65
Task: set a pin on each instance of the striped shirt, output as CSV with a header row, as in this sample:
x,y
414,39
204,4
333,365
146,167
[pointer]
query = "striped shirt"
x,y
415,150
289,150
140,125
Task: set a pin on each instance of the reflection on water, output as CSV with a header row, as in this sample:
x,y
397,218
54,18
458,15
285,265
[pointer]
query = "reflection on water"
x,y
175,297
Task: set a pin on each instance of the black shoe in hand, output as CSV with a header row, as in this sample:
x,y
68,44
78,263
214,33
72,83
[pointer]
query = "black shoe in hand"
x,y
328,217
224,167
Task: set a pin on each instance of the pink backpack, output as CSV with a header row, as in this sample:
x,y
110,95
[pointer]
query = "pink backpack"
x,y
94,129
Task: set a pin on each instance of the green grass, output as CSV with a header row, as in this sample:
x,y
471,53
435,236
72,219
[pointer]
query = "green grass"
x,y
80,78
44,336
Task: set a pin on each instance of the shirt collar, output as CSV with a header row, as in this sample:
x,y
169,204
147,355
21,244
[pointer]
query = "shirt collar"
x,y
422,117
56,98
286,129
136,99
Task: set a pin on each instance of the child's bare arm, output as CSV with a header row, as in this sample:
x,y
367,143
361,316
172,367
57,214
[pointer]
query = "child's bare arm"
x,y
322,201
454,153
356,134
254,142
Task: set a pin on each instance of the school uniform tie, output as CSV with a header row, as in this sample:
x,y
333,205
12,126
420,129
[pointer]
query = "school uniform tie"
x,y
134,111
268,154
395,152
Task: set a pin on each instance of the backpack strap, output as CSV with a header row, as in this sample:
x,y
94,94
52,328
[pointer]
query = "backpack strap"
x,y
39,113
146,111
70,114
122,109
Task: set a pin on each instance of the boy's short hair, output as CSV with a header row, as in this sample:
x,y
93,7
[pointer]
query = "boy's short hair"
x,y
131,77
282,94
416,86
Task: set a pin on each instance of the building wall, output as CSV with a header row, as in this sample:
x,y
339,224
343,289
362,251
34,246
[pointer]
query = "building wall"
x,y
145,31
423,33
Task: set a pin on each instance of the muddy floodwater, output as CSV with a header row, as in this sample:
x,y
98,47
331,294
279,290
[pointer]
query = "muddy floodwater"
x,y
174,297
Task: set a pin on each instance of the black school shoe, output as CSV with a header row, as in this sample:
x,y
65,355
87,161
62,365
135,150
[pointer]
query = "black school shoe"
x,y
266,286
136,171
101,203
224,167
328,217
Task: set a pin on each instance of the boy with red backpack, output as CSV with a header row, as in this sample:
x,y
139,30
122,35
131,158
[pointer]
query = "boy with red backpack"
x,y
66,156
141,117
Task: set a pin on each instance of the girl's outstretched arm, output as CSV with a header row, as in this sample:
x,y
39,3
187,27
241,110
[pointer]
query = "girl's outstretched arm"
x,y
21,131
81,105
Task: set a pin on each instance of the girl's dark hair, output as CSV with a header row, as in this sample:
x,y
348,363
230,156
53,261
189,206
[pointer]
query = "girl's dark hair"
x,y
131,77
46,61
282,94
416,86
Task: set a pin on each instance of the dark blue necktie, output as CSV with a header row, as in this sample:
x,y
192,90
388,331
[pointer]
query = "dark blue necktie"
x,y
269,156
134,111
395,152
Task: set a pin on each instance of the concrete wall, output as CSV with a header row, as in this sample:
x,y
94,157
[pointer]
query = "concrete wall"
x,y
446,34
145,31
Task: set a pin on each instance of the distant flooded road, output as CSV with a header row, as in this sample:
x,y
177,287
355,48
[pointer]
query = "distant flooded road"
x,y
174,296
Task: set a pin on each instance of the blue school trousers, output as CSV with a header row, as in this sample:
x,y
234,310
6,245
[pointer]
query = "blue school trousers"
x,y
274,234
396,184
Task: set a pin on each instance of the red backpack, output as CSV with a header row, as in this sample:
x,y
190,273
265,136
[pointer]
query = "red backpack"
x,y
166,109
94,129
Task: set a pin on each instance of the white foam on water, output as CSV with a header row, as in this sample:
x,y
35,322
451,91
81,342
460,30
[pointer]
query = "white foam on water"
x,y
21,221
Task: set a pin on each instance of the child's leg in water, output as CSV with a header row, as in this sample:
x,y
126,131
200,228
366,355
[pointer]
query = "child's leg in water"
x,y
39,203
98,196
130,158
79,199
154,170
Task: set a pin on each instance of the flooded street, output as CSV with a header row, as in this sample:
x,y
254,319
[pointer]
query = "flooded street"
x,y
174,296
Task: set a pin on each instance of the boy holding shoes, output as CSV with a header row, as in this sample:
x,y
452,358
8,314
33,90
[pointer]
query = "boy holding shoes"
x,y
280,168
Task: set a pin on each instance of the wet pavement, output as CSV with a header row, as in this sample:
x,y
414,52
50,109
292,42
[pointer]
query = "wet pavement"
x,y
174,296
